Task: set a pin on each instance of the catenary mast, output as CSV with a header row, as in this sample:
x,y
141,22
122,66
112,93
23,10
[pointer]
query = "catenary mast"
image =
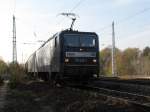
x,y
14,58
113,52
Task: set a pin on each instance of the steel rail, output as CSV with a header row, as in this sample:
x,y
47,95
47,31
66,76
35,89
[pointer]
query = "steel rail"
x,y
138,101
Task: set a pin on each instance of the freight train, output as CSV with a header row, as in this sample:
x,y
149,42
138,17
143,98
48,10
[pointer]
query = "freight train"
x,y
67,54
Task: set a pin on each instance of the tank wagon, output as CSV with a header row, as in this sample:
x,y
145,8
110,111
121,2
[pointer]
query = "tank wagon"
x,y
66,54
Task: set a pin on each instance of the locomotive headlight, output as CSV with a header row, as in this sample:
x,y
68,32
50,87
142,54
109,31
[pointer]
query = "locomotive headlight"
x,y
66,60
94,60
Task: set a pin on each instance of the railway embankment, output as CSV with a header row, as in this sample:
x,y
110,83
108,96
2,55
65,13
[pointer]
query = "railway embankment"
x,y
45,97
3,94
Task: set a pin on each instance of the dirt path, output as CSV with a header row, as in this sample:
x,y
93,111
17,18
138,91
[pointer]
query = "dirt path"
x,y
3,92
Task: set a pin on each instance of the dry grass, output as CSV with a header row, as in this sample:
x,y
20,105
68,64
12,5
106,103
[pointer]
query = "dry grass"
x,y
41,97
134,77
17,74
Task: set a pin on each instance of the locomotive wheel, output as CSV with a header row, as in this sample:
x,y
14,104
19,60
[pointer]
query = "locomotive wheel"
x,y
58,80
43,76
46,77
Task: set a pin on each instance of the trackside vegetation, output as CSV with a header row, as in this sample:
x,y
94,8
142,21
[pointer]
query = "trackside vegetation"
x,y
13,72
17,74
3,70
129,62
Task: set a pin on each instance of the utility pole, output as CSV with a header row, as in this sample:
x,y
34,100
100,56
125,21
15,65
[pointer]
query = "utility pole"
x,y
14,41
113,52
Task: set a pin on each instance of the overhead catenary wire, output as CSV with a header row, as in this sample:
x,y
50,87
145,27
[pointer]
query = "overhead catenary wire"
x,y
132,35
119,23
77,5
125,19
132,16
137,32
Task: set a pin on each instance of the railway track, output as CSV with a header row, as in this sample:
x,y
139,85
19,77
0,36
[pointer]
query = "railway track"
x,y
138,101
121,86
142,102
145,82
117,84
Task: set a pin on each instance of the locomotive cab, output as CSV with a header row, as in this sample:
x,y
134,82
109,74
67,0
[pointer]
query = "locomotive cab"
x,y
80,54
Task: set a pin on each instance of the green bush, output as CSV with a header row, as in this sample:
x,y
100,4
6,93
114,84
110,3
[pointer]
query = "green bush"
x,y
17,74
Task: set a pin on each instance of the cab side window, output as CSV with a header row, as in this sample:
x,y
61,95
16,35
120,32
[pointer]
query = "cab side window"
x,y
55,41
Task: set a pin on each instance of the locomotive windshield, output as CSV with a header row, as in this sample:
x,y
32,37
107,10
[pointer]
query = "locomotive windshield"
x,y
74,40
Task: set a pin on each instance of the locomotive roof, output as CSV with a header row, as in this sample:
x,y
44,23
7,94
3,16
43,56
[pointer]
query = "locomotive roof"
x,y
65,31
76,31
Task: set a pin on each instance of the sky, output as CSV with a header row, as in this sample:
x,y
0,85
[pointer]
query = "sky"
x,y
39,19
